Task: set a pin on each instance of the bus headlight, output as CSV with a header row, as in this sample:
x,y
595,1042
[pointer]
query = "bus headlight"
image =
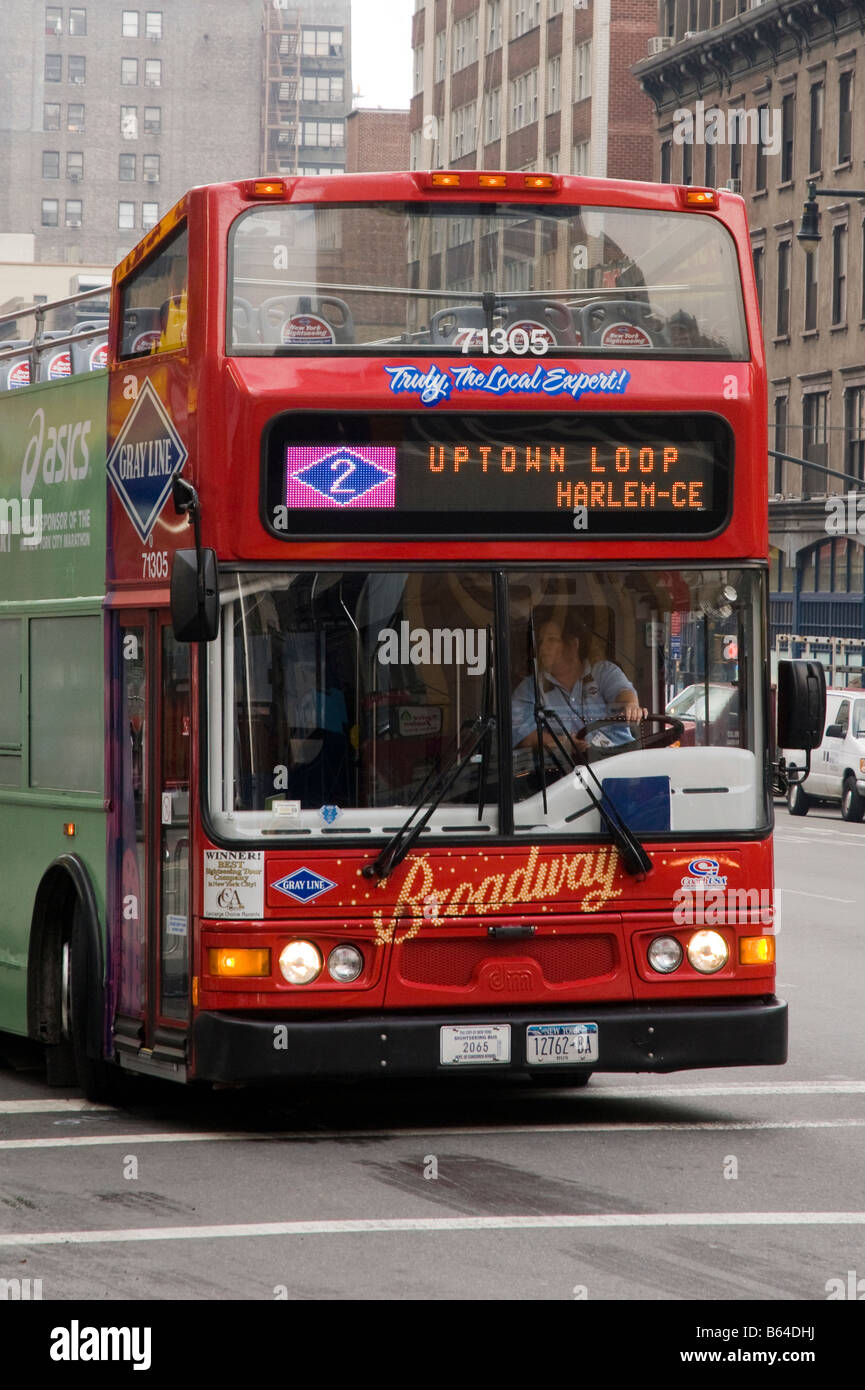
x,y
300,962
344,964
708,952
665,954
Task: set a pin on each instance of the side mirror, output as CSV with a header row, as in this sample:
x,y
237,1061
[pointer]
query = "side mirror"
x,y
835,731
195,596
801,704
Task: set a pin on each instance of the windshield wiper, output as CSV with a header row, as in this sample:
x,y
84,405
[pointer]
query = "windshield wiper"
x,y
634,856
430,797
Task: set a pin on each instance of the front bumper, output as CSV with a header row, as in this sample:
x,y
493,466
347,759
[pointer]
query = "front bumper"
x,y
637,1037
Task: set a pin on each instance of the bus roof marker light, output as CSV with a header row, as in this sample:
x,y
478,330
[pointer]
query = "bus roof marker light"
x,y
700,198
445,180
493,180
547,181
266,188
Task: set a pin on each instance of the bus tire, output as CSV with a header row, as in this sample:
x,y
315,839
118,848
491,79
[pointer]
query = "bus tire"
x,y
99,1080
798,802
852,804
574,1082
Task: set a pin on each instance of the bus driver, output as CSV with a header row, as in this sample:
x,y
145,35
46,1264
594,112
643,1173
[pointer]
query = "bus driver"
x,y
574,690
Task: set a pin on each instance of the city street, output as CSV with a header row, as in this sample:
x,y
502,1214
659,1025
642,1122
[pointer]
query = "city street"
x,y
725,1185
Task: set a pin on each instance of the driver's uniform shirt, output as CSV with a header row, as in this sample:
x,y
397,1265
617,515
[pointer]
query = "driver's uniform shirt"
x,y
599,688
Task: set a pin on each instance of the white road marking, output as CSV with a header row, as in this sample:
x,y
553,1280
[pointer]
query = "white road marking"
x,y
823,897
433,1225
47,1107
96,1141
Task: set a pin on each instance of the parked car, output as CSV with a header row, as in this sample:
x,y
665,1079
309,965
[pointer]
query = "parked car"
x,y
837,772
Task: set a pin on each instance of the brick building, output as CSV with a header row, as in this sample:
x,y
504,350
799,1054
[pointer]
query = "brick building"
x,y
532,84
376,140
783,78
108,114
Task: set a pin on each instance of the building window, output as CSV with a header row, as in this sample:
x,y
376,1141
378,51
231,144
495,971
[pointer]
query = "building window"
x,y
150,168
666,166
129,122
687,163
494,115
839,275
77,68
126,168
129,72
554,84
854,432
53,67
814,447
50,212
149,215
129,24
320,89
441,55
760,151
782,317
51,115
153,72
74,212
582,157
777,465
53,20
709,175
810,291
463,130
845,117
465,47
736,154
417,70
524,100
815,145
494,25
788,118
50,164
77,21
75,117
125,216
153,24
322,43
152,120
758,255
527,15
75,165
324,134
583,71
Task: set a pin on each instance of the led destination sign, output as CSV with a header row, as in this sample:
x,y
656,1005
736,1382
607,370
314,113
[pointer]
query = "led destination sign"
x,y
404,475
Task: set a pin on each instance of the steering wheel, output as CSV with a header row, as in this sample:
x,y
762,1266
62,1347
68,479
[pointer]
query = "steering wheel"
x,y
664,737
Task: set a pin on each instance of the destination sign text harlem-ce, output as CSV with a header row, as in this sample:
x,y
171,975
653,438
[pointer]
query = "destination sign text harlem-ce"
x,y
407,475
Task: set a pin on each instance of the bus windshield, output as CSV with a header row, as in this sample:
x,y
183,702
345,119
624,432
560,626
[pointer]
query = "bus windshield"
x,y
337,698
471,278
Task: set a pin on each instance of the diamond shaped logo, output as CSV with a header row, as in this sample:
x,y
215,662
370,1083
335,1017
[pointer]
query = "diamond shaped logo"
x,y
303,885
342,476
144,458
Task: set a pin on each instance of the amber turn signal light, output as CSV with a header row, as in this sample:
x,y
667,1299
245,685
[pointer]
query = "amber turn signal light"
x,y
239,961
756,950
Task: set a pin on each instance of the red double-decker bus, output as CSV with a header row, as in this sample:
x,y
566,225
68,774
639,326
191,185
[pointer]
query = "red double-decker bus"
x,y
406,770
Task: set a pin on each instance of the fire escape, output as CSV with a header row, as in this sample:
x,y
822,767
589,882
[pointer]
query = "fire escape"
x,y
280,128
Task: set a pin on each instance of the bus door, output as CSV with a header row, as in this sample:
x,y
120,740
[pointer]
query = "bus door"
x,y
154,774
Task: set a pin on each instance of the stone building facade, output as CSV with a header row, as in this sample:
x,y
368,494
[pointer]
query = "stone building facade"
x,y
110,111
532,84
762,99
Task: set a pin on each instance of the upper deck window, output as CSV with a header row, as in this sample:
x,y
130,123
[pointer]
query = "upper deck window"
x,y
153,301
390,278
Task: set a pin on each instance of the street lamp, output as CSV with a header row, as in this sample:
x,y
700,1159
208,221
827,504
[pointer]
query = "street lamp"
x,y
808,234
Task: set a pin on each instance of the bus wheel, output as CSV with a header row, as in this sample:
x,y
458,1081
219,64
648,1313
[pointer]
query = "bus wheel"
x,y
852,804
798,801
573,1082
99,1080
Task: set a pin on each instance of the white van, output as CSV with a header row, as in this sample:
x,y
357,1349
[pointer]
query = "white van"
x,y
838,765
